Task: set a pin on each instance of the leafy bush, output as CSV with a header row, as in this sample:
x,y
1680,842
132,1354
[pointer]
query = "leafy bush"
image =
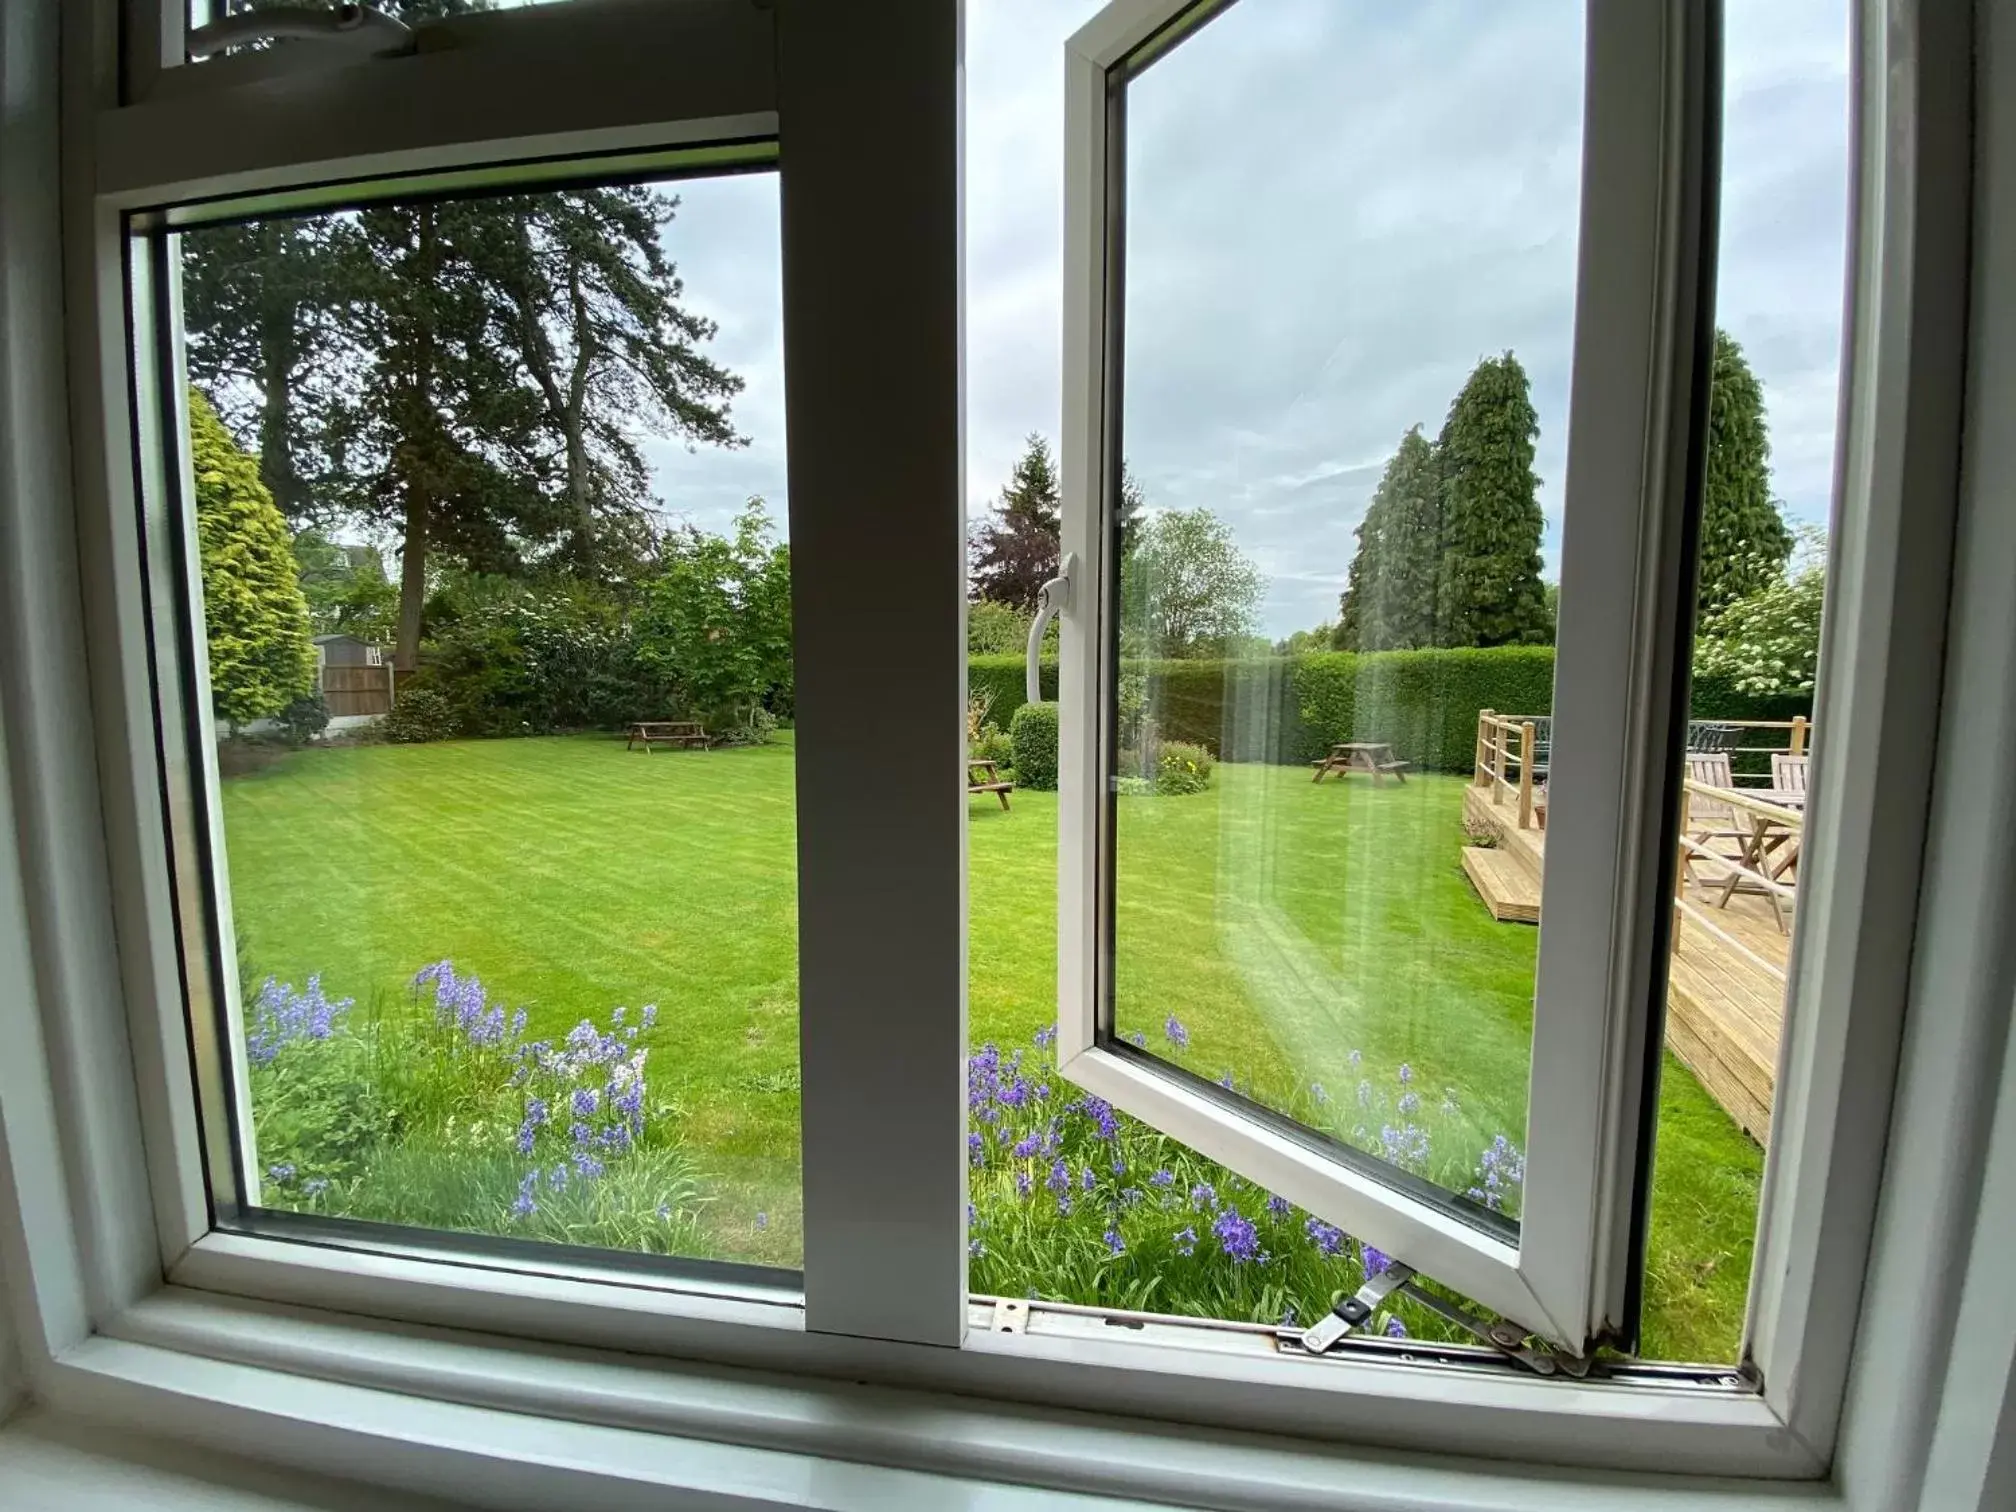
x,y
756,726
1767,643
1182,768
303,719
1033,734
418,715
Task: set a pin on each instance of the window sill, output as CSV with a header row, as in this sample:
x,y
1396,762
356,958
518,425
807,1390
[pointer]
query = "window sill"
x,y
511,1423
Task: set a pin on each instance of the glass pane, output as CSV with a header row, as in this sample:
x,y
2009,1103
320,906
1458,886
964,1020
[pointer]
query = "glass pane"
x,y
498,643
412,13
1785,181
1347,333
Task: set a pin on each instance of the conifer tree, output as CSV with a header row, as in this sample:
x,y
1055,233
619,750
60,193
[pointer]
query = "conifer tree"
x,y
1744,540
1389,602
1490,593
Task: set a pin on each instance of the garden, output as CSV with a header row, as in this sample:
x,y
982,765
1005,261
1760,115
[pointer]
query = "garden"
x,y
547,987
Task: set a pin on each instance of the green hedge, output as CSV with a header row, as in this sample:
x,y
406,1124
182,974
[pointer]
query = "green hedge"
x,y
1290,709
1033,735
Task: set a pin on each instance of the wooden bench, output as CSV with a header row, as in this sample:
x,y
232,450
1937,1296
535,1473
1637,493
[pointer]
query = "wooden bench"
x,y
985,777
685,733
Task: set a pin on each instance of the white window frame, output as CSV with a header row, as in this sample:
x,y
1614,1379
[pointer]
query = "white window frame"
x,y
127,1304
1638,394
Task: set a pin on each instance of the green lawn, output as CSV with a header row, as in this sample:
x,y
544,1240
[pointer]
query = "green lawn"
x,y
573,876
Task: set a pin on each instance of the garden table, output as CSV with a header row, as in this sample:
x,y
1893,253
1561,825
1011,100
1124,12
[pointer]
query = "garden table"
x,y
1371,756
673,732
985,777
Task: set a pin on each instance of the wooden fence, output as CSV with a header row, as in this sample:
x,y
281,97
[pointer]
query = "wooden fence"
x,y
357,690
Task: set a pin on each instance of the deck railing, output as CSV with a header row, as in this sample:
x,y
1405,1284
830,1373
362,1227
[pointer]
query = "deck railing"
x,y
1507,760
1697,797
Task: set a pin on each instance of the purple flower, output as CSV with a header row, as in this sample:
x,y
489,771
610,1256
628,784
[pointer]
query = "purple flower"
x,y
1395,1329
1409,1104
1115,1245
1185,1240
1042,1091
1023,1184
1376,1261
1237,1235
527,1131
1203,1196
616,1017
1060,1178
1178,1036
1046,1036
664,1212
585,1102
1328,1239
1279,1207
580,1133
1101,1112
650,1015
762,1221
556,1178
976,1148
1406,1073
1063,1205
282,1016
1136,1038
280,1174
526,1205
1027,1147
314,1186
586,1166
1225,1081
1163,1178
975,1248
1316,1091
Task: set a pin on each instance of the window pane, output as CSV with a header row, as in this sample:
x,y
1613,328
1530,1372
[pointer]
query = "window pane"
x,y
1348,326
1785,179
489,500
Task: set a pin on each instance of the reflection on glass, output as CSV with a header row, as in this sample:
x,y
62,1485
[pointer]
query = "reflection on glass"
x,y
502,969
1348,321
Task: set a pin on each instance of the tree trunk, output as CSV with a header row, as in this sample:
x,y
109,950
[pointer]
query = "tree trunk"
x,y
412,582
276,417
580,496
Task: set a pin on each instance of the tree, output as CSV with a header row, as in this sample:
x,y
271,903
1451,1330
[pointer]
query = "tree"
x,y
1744,542
262,656
263,307
1187,589
717,621
1490,592
1390,599
1768,641
1015,553
346,586
590,303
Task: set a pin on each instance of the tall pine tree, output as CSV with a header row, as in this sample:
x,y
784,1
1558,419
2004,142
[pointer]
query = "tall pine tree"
x,y
1744,541
1389,602
1490,592
1015,552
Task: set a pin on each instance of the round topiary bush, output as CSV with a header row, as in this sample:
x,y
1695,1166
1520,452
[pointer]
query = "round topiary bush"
x,y
418,714
1033,734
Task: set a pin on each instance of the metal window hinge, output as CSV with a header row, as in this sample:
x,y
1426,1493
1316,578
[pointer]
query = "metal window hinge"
x,y
1011,1316
1509,1339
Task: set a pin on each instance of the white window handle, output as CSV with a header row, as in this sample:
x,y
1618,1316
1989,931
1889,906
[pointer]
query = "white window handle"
x,y
1054,596
342,21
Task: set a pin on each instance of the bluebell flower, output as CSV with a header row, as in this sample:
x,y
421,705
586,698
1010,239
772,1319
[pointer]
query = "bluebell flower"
x,y
1376,1262
616,1016
586,1166
976,1148
1279,1207
580,1133
1060,1178
664,1212
1115,1245
1203,1195
762,1222
1027,1147
280,1174
1177,1035
1023,1184
1316,1091
1237,1236
975,1248
1136,1038
1409,1104
1087,1179
1327,1238
314,1186
557,1178
1046,1036
527,1204
1063,1205
585,1102
1185,1240
1163,1178
1395,1329
1406,1073
650,1015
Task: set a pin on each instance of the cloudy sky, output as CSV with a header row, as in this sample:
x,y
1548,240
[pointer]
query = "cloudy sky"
x,y
1335,208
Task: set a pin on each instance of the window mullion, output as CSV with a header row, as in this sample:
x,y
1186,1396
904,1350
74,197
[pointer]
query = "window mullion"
x,y
869,122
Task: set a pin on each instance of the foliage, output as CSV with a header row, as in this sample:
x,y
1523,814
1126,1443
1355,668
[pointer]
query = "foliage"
x,y
1015,553
305,718
1003,630
1422,703
1744,542
446,1115
1171,767
346,587
716,621
261,654
1767,642
1298,642
1187,589
1074,1201
1489,593
418,715
1390,597
757,726
1033,734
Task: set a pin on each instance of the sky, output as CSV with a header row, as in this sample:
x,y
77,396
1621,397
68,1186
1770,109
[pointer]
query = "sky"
x,y
1335,209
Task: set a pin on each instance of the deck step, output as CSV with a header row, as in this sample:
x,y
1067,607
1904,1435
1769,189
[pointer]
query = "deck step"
x,y
1527,847
1508,889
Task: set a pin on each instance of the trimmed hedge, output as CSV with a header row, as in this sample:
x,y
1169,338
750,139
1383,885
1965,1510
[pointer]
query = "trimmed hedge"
x,y
1033,733
1291,709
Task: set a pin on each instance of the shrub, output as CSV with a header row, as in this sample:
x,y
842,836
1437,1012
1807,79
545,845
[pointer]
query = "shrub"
x,y
1182,768
1033,734
752,727
994,745
303,719
418,715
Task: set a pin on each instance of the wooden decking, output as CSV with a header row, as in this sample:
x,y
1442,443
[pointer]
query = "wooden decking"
x,y
1726,986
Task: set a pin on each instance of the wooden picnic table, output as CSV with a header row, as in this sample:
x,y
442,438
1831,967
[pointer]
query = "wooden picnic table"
x,y
688,733
1771,848
983,776
1371,756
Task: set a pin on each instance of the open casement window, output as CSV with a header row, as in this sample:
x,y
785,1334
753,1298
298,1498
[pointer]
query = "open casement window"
x,y
1561,1261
